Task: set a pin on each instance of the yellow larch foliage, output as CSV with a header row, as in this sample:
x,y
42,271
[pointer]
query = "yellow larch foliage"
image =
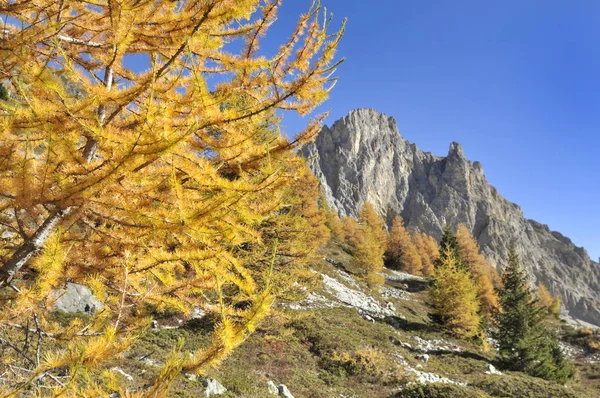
x,y
429,251
332,221
544,296
419,244
350,229
401,251
161,189
547,301
453,298
495,276
480,270
555,307
370,245
368,254
369,217
364,237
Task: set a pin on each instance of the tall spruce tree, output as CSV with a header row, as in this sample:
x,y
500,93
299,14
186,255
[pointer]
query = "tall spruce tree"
x,y
449,244
525,344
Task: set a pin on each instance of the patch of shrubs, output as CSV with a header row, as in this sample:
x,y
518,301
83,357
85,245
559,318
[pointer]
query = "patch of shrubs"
x,y
585,338
440,391
513,386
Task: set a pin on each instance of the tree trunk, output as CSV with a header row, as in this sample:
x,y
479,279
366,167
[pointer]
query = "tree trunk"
x,y
31,246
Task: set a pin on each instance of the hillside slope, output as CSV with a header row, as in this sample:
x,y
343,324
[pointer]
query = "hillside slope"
x,y
347,340
362,157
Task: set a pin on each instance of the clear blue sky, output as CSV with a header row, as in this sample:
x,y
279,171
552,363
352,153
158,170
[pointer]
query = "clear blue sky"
x,y
516,82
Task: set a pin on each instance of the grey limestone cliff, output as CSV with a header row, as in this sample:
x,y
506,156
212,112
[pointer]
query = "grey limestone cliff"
x,y
362,157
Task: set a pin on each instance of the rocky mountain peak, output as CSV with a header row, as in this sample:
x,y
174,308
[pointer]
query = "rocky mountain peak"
x,y
456,151
363,158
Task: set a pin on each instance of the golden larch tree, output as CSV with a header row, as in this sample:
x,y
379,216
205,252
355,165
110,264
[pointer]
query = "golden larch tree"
x,y
453,298
368,255
332,221
369,217
350,229
401,252
555,307
480,270
163,189
429,251
419,244
547,301
364,236
544,296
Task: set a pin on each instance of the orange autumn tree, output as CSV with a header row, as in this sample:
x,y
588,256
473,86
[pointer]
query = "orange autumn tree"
x,y
480,270
349,229
164,189
401,251
429,250
547,301
332,221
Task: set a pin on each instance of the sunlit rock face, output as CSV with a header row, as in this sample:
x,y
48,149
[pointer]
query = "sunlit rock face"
x,y
362,158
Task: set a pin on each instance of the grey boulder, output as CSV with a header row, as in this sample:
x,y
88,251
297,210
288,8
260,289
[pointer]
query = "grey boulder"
x,y
75,298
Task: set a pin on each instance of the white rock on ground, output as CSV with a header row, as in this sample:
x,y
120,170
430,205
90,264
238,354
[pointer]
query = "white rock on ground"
x,y
122,373
392,292
284,392
349,279
398,276
213,387
434,345
312,301
366,316
423,377
492,370
198,313
356,299
570,351
430,378
272,388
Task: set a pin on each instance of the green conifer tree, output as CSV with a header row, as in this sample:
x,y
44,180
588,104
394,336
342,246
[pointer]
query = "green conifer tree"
x,y
449,244
525,344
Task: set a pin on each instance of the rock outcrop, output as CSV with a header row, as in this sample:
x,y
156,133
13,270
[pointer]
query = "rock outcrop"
x,y
362,157
75,298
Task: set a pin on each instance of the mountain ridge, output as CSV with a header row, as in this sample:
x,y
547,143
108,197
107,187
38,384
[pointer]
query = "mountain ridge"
x,y
362,157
